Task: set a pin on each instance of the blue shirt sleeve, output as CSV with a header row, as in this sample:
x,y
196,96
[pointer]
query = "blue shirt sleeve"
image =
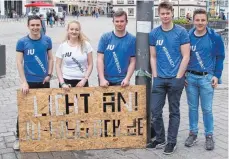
x,y
102,44
133,48
152,41
49,43
220,56
20,46
184,37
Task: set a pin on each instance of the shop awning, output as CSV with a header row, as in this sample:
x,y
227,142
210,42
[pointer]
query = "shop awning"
x,y
39,4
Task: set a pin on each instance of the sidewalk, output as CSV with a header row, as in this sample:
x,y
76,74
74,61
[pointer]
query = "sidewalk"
x,y
8,104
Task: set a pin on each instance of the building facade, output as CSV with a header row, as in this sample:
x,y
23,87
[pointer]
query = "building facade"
x,y
10,7
86,5
181,7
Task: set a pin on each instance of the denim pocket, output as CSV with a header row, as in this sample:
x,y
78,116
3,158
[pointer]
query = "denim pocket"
x,y
209,77
178,83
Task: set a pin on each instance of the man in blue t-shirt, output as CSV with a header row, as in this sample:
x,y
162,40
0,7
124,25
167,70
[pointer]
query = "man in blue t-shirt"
x,y
116,54
204,71
169,57
34,60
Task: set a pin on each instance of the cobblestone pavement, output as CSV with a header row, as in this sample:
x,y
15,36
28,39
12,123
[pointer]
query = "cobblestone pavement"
x,y
10,32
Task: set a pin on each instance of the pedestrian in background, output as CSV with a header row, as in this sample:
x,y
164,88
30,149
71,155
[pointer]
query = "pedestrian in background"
x,y
116,54
74,61
43,26
203,74
169,57
47,17
34,60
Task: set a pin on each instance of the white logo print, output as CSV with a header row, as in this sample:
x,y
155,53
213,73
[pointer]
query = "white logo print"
x,y
110,47
159,42
168,56
200,61
30,52
193,48
117,62
40,64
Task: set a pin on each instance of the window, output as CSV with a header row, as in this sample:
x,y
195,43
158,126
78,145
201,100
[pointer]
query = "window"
x,y
182,12
156,12
130,1
130,11
120,1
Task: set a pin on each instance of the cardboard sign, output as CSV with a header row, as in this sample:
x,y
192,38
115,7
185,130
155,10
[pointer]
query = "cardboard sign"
x,y
84,118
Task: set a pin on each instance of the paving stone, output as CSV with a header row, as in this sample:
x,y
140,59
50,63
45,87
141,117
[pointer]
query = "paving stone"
x,y
9,156
29,155
9,144
6,134
2,145
3,129
6,150
9,138
45,155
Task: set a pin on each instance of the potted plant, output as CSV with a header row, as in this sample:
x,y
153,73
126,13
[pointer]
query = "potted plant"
x,y
184,23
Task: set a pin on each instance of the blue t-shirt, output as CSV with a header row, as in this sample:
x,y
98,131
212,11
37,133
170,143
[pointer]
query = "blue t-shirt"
x,y
117,53
168,53
201,58
35,53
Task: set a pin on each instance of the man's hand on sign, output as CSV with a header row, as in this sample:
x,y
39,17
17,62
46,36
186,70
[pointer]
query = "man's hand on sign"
x,y
82,83
104,83
25,88
125,82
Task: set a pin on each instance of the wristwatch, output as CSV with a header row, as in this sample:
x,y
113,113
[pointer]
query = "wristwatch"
x,y
50,75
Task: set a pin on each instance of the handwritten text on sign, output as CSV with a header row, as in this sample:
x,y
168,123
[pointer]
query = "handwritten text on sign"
x,y
85,118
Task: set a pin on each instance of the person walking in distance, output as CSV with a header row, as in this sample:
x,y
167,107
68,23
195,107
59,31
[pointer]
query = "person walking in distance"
x,y
203,74
116,54
34,60
169,57
74,61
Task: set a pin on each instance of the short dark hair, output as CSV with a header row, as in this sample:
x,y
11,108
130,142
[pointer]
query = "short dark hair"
x,y
33,17
119,13
165,5
199,11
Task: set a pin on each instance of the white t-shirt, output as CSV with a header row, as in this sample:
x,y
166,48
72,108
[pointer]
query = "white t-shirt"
x,y
74,62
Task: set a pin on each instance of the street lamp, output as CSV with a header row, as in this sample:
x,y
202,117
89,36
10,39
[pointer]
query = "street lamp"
x,y
178,9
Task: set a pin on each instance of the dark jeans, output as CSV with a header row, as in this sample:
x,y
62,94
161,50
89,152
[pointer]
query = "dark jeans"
x,y
173,87
73,83
31,86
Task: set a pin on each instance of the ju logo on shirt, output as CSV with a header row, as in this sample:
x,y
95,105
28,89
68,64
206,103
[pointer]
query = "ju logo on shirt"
x,y
68,54
30,51
159,42
110,47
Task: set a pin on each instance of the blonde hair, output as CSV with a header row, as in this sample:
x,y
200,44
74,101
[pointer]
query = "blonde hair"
x,y
81,38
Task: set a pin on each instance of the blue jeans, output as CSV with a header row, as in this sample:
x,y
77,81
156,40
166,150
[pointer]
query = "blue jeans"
x,y
173,87
200,89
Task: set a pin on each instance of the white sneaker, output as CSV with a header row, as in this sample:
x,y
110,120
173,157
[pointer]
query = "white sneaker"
x,y
16,145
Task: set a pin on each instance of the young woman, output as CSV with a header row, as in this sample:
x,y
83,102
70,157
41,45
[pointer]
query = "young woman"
x,y
74,61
